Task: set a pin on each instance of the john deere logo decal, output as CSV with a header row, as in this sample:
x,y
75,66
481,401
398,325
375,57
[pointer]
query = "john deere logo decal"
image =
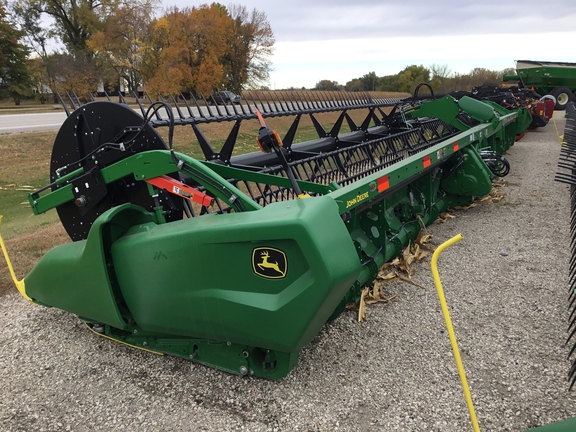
x,y
269,263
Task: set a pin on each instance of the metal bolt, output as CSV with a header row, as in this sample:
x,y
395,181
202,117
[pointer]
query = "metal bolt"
x,y
144,343
246,353
229,343
243,370
80,201
135,331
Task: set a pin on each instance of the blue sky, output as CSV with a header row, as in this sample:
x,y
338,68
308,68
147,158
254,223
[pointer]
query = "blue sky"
x,y
344,39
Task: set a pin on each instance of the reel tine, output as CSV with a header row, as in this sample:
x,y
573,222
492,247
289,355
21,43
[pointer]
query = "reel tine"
x,y
142,110
294,103
244,113
72,104
263,109
253,104
161,99
63,104
200,112
570,326
278,110
155,111
573,377
571,334
233,106
190,114
77,99
571,313
317,101
309,103
228,113
178,110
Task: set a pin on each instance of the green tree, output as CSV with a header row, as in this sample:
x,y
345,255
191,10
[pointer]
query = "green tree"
x,y
327,85
411,76
74,20
370,81
439,74
73,24
388,83
118,44
29,21
486,76
39,76
15,80
355,85
251,43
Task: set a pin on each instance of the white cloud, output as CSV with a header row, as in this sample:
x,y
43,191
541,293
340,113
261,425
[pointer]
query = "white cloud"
x,y
341,39
303,64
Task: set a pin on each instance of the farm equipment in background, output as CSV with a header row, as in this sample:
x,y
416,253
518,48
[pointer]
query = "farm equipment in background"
x,y
238,261
532,111
557,79
524,100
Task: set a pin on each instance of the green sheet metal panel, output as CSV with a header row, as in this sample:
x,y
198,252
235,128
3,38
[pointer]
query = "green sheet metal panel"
x,y
75,276
213,277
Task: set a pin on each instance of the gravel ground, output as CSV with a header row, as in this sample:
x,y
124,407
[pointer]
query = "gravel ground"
x,y
506,285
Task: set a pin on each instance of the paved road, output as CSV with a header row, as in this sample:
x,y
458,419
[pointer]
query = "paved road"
x,y
31,122
53,120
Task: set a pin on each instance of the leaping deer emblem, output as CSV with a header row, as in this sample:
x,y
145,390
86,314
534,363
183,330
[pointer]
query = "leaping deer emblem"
x,y
271,265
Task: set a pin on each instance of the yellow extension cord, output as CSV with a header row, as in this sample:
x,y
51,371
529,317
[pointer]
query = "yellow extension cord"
x,y
453,342
560,137
20,286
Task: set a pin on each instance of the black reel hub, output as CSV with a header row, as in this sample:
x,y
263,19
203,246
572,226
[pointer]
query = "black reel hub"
x,y
93,137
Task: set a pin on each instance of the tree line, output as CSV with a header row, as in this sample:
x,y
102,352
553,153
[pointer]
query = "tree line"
x,y
123,43
439,77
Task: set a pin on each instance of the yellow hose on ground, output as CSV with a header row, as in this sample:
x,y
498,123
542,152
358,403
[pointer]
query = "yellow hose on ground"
x,y
19,283
560,137
453,342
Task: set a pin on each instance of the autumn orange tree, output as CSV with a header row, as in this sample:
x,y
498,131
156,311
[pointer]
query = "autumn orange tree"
x,y
123,42
207,47
184,49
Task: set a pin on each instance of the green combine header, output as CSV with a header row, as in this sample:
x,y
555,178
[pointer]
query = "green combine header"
x,y
238,261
